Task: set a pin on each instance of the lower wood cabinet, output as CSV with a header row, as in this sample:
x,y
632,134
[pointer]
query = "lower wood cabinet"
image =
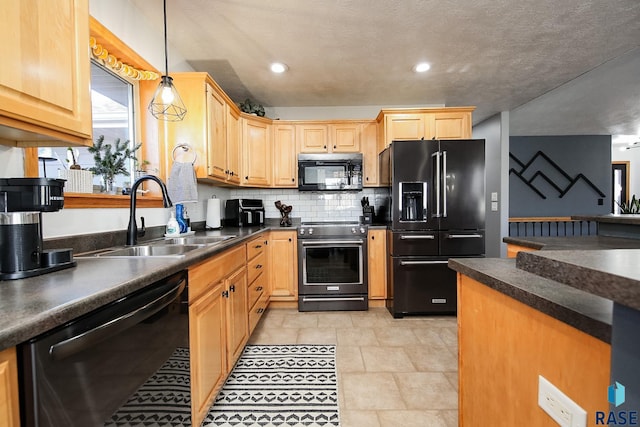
x,y
9,400
218,324
258,278
512,250
208,355
377,264
283,262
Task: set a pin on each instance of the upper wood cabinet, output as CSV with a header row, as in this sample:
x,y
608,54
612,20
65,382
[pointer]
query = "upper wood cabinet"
x,y
216,115
328,137
285,162
312,138
344,137
233,145
256,151
370,149
427,123
45,94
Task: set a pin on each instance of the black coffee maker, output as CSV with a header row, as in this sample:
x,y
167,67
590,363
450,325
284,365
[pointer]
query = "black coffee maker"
x,y
22,201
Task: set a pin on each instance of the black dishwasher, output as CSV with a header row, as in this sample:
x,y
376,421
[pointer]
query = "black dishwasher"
x,y
126,363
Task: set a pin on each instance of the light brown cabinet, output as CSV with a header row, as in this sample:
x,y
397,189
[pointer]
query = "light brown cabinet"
x,y
427,123
283,262
216,135
312,138
329,137
258,272
256,151
45,73
285,161
344,137
377,263
218,324
233,145
9,398
370,150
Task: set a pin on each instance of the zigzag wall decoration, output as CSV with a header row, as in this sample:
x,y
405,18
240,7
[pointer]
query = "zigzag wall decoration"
x,y
539,174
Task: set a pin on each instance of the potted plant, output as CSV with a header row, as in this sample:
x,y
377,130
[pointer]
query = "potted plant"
x,y
249,107
630,207
111,160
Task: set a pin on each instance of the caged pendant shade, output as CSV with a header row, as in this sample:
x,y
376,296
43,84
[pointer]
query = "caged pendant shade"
x,y
166,103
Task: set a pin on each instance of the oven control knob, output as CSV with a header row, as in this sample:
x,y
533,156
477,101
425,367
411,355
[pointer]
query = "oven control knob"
x,y
362,230
353,230
310,231
302,231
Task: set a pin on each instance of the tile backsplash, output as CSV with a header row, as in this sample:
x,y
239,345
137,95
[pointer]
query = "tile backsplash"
x,y
314,206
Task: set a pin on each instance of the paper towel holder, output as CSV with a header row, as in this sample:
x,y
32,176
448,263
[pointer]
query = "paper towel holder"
x,y
213,221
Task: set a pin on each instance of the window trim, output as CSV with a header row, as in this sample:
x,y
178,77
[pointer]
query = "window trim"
x,y
96,200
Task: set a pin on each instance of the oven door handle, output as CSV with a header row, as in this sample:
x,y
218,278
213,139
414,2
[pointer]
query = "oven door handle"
x,y
330,242
422,262
112,327
418,237
331,299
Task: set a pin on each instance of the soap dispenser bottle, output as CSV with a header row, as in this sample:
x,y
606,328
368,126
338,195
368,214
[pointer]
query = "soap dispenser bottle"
x,y
173,228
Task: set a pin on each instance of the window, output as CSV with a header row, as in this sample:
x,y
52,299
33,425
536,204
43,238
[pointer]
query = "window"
x,y
112,102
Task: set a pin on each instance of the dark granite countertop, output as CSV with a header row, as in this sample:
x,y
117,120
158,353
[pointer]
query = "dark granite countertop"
x,y
613,274
586,312
611,218
29,307
574,243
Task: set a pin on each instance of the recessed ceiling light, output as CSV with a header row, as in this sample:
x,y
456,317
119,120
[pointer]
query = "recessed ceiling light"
x,y
279,67
421,67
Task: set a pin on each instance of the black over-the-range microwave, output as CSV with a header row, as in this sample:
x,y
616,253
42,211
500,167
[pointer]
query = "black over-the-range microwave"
x,y
330,172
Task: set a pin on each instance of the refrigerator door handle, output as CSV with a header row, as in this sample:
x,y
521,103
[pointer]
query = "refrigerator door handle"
x,y
444,188
437,184
424,201
464,236
401,201
422,262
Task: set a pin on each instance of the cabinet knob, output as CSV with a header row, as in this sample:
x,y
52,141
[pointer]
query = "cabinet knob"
x,y
324,146
373,237
334,147
246,177
226,172
232,288
293,180
289,238
257,246
232,173
259,288
258,266
367,178
225,294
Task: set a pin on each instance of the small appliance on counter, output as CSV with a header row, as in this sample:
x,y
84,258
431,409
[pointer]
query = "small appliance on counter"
x,y
22,201
243,212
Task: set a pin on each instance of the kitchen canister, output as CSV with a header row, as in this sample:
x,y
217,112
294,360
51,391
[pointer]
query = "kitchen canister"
x,y
213,213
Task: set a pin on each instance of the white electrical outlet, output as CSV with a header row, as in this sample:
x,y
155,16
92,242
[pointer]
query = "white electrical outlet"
x,y
563,410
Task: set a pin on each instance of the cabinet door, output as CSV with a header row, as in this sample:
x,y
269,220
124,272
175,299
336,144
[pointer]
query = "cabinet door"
x,y
345,138
256,152
237,315
312,138
207,350
369,144
216,129
9,399
285,161
452,125
405,126
283,266
45,69
377,261
233,145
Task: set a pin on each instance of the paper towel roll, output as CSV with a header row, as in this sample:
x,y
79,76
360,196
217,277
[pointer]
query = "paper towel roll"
x,y
213,213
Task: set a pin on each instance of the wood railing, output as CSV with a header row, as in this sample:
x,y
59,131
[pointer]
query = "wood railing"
x,y
551,227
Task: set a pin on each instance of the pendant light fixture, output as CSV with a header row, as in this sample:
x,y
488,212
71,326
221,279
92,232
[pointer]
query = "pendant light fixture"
x,y
166,103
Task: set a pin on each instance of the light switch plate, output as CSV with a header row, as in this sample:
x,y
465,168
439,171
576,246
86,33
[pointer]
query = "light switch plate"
x,y
559,406
494,206
494,197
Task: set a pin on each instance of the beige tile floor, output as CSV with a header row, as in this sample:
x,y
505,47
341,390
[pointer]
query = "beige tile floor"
x,y
391,372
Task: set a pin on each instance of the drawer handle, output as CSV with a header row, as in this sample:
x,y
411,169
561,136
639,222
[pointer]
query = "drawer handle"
x,y
259,266
260,310
257,246
259,288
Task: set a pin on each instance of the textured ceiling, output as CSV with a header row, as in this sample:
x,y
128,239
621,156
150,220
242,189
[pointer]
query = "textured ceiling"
x,y
574,55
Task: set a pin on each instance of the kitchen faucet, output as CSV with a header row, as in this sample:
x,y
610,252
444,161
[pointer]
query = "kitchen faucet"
x,y
132,229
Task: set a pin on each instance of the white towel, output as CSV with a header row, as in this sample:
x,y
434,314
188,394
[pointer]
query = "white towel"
x,y
182,185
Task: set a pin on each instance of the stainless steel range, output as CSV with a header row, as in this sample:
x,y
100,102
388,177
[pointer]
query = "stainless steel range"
x,y
332,266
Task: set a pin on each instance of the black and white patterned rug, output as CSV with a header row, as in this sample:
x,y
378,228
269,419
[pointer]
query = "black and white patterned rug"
x,y
271,385
279,385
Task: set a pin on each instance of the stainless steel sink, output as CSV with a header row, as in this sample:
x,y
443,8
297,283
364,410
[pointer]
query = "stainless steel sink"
x,y
200,240
167,251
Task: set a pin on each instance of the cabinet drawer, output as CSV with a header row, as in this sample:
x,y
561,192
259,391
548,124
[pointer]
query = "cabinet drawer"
x,y
256,289
256,246
202,276
256,266
257,311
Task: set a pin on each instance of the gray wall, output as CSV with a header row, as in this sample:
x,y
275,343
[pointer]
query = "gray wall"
x,y
495,132
588,155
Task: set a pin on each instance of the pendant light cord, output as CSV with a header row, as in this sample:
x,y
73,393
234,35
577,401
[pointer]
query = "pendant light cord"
x,y
166,55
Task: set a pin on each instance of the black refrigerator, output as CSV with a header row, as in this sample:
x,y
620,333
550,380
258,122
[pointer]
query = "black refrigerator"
x,y
436,211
